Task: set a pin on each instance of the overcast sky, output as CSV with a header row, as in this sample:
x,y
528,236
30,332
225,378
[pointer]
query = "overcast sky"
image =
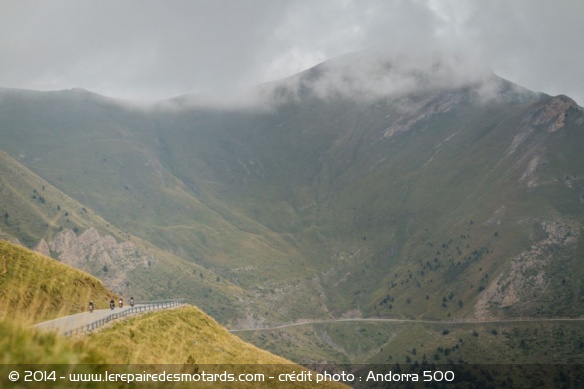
x,y
148,50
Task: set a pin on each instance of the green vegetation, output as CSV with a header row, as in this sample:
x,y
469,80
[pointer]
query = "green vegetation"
x,y
518,342
291,203
437,205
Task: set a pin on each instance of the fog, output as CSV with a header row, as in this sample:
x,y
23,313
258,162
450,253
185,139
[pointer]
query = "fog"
x,y
150,50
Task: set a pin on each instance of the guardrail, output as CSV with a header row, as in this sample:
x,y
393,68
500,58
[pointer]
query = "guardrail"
x,y
139,307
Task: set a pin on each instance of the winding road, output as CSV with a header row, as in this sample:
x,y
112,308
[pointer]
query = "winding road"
x,y
413,321
87,321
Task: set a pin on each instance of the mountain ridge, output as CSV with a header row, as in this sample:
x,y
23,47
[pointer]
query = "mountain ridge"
x,y
330,203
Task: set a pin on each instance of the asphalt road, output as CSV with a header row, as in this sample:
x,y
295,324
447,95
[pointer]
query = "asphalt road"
x,y
68,323
73,322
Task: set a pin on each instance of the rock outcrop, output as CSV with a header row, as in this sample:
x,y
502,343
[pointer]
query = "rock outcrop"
x,y
554,112
102,256
528,275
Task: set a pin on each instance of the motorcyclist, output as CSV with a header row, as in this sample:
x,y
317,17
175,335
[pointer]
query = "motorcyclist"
x,y
131,301
91,306
112,304
121,302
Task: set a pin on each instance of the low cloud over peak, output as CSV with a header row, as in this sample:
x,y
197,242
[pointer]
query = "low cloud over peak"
x,y
365,76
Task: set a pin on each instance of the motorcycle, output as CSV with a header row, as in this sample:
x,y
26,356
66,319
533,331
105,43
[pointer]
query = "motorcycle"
x,y
90,308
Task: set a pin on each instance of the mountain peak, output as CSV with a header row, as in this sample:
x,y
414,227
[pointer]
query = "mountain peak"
x,y
374,74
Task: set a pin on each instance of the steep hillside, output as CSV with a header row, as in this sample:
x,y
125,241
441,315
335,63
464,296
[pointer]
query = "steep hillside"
x,y
34,288
151,339
37,214
76,359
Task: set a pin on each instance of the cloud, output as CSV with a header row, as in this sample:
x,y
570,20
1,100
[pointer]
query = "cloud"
x,y
149,49
376,73
366,76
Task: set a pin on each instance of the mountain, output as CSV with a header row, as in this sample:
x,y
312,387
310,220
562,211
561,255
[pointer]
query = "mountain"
x,y
358,188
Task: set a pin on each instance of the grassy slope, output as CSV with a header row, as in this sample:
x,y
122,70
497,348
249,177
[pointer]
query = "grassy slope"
x,y
143,342
184,335
33,209
35,288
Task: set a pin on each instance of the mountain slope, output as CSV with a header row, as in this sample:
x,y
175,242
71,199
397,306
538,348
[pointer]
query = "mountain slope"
x,y
402,198
34,288
38,214
446,198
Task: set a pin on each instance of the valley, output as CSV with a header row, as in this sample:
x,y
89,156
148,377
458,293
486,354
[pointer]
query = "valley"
x,y
324,216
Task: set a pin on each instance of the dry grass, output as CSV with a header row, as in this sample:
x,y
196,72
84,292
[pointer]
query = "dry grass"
x,y
35,288
179,336
23,345
190,338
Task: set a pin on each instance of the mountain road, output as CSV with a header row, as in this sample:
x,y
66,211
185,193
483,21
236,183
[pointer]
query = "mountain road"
x,y
526,320
87,321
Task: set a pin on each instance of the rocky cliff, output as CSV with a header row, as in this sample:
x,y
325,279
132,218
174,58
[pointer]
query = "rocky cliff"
x,y
98,255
